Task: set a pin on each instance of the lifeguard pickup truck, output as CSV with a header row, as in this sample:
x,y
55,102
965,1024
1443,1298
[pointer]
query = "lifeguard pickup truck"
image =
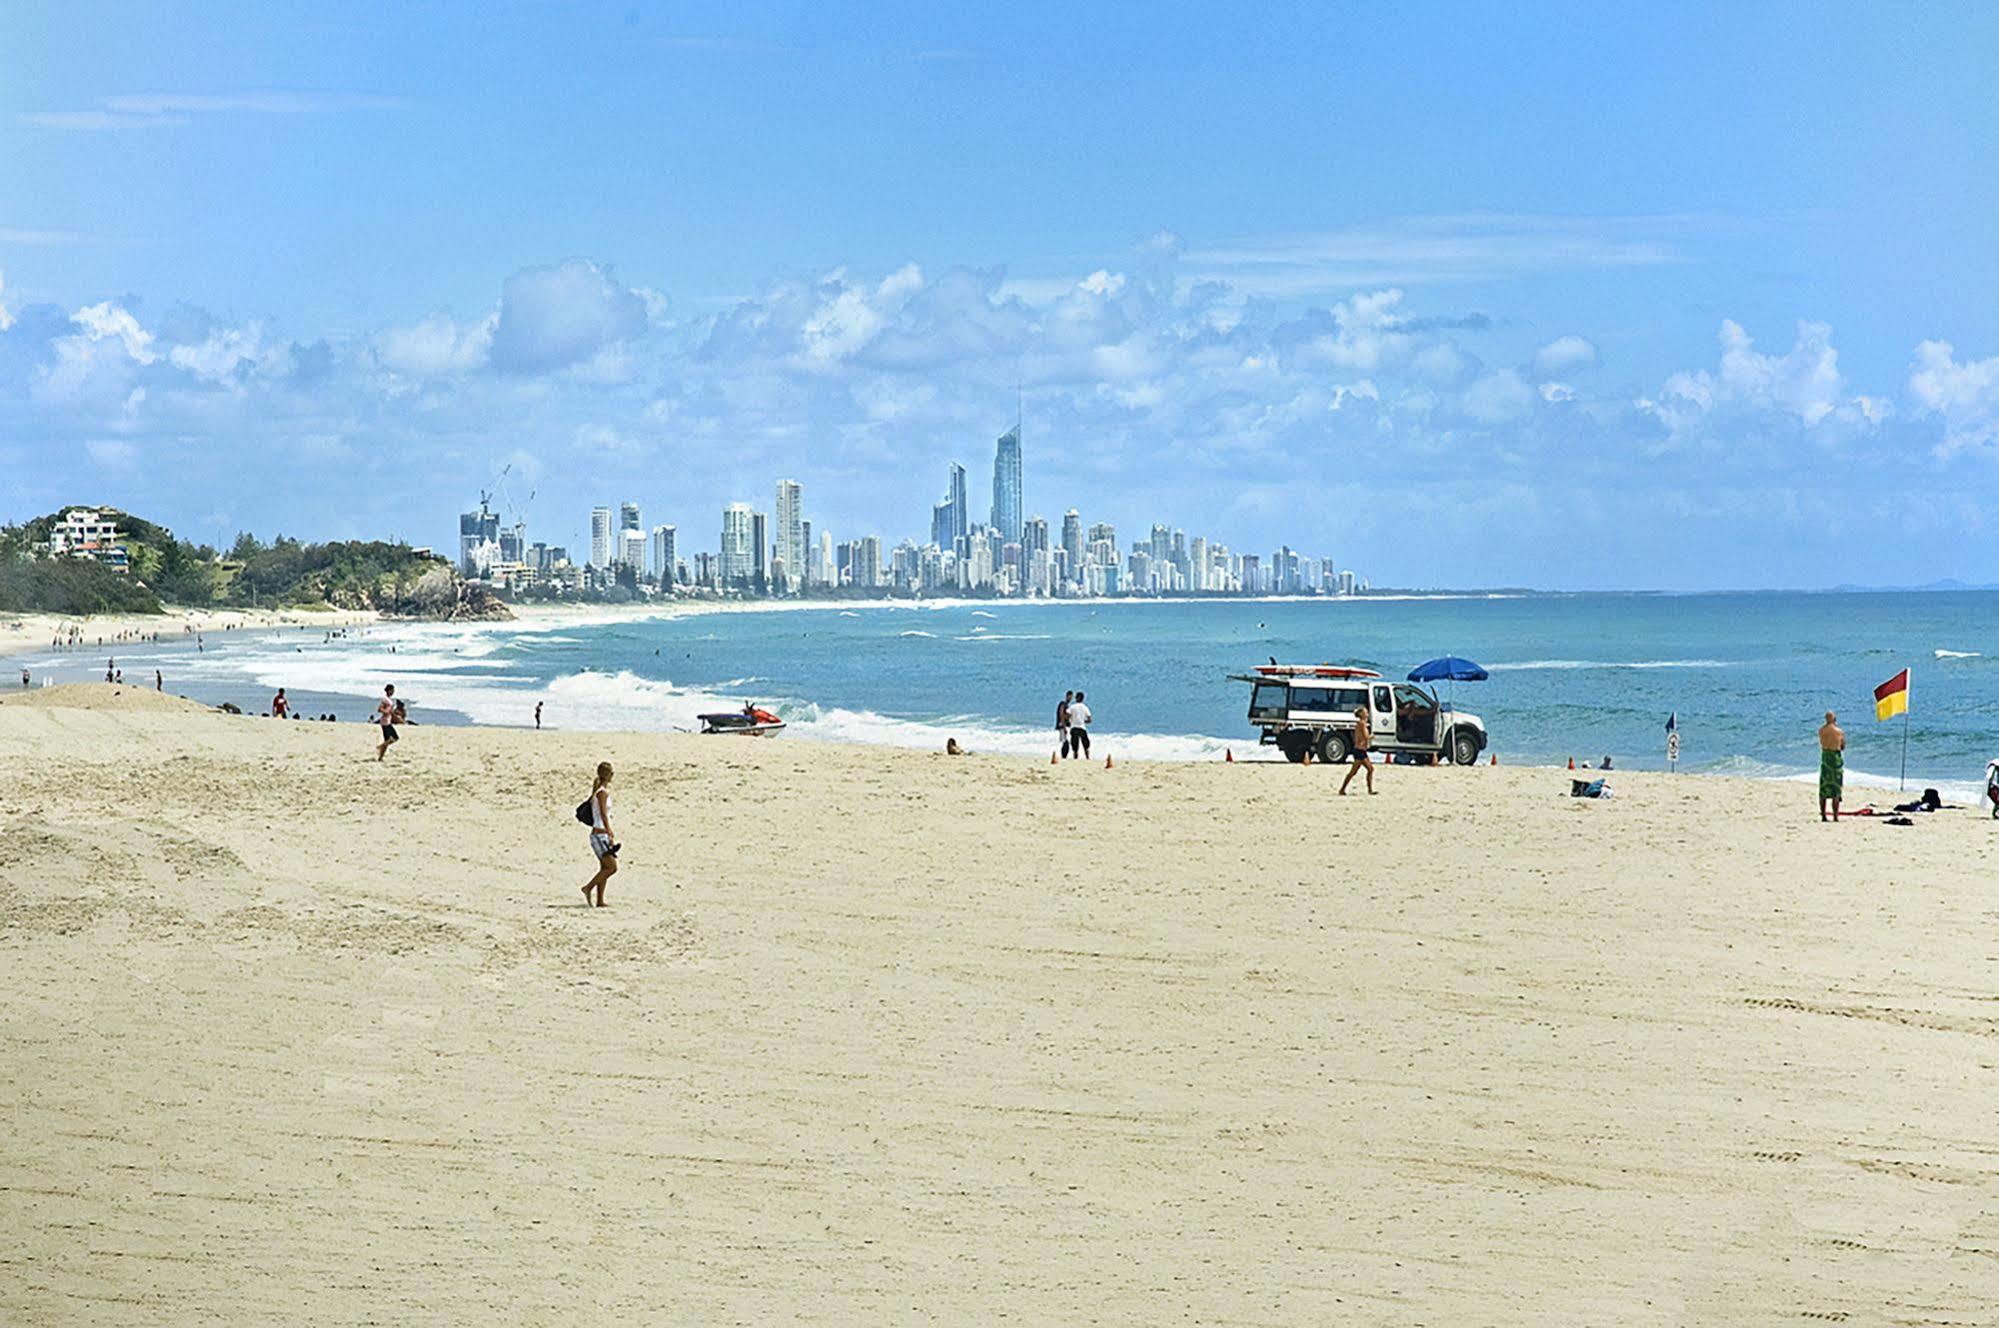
x,y
1310,708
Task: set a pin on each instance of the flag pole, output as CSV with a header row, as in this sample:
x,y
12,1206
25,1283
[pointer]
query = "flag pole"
x,y
1907,688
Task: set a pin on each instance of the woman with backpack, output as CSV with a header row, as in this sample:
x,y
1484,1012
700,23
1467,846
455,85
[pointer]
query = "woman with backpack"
x,y
595,812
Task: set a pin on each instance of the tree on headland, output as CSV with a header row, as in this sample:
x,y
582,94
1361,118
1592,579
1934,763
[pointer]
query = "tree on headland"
x,y
350,574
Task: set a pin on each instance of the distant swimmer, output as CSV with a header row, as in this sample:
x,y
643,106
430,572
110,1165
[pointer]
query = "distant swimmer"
x,y
603,843
385,715
1832,764
1363,744
279,706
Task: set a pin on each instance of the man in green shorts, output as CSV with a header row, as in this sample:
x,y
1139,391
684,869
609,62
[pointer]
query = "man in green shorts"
x,y
1832,764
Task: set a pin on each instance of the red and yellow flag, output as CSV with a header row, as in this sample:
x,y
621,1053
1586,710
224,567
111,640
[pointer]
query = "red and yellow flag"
x,y
1891,698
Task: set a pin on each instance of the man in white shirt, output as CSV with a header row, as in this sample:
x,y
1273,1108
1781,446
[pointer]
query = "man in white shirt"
x,y
1079,727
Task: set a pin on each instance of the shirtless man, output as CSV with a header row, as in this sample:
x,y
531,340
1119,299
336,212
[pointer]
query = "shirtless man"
x,y
385,715
1363,740
1832,764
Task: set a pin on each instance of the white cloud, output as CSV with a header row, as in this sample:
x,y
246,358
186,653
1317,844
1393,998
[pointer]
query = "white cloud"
x,y
99,359
1964,392
1499,397
1451,247
555,316
107,321
1442,363
222,355
1368,335
1564,355
158,110
435,347
1803,384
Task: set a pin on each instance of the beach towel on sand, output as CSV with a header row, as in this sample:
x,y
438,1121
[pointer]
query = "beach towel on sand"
x,y
1832,773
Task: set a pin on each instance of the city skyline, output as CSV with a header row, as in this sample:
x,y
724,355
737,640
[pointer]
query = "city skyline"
x,y
761,555
1462,296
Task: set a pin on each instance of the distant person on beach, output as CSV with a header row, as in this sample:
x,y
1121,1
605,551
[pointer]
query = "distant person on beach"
x,y
603,843
1363,743
1832,764
537,714
951,748
24,677
385,715
1079,727
1062,720
279,706
159,682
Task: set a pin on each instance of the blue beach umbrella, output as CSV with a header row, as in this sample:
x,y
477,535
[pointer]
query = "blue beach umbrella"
x,y
1448,669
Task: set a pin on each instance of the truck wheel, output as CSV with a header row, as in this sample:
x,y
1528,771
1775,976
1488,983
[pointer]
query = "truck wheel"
x,y
1333,746
1464,748
1294,743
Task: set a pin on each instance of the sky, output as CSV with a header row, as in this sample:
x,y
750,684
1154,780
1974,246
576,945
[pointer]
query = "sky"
x,y
1568,296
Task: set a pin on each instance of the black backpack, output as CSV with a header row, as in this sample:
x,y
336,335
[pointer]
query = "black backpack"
x,y
584,811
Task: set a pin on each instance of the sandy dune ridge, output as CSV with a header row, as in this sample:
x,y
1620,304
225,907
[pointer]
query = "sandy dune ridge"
x,y
872,1036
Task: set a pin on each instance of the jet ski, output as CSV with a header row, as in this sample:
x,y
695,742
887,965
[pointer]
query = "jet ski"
x,y
751,721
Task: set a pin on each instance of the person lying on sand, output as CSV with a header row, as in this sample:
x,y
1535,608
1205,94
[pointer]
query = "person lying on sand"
x,y
602,844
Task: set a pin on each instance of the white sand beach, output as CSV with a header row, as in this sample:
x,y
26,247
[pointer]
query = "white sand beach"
x,y
872,1036
22,632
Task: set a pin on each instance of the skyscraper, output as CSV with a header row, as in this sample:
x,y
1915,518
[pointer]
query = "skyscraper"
x,y
665,554
961,517
1006,486
477,530
790,534
736,565
1033,536
628,517
600,537
632,549
1072,543
760,548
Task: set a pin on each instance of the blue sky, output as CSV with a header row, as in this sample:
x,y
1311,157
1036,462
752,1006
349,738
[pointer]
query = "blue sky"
x,y
1558,295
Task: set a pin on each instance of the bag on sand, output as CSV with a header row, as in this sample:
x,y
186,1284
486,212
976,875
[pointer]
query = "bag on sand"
x,y
583,811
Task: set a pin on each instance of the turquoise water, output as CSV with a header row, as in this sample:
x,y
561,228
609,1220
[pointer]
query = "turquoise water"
x,y
1574,676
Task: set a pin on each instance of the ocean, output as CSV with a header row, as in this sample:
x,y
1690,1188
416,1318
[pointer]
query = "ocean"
x,y
1573,676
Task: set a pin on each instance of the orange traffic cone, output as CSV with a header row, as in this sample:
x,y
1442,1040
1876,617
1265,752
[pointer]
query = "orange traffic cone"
x,y
1228,754
1572,763
1107,763
1495,758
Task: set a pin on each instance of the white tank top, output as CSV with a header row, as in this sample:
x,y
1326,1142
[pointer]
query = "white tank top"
x,y
597,809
